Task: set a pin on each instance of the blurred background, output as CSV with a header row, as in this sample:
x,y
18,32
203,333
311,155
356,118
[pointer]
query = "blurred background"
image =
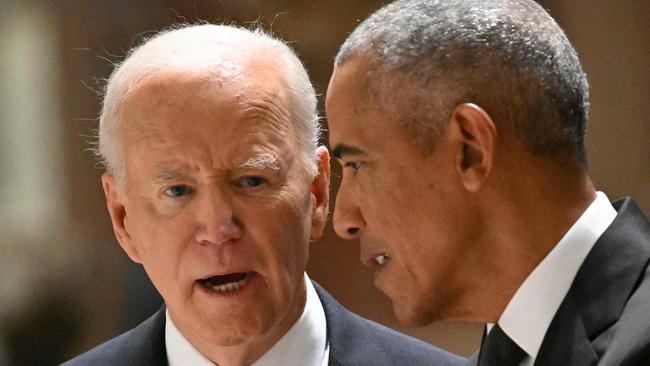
x,y
65,285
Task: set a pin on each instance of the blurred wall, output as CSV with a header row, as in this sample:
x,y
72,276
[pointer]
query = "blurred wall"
x,y
66,285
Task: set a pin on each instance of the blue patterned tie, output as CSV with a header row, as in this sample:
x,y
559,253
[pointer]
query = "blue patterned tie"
x,y
499,350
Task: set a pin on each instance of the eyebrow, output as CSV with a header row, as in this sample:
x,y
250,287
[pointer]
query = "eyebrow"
x,y
262,161
166,175
341,149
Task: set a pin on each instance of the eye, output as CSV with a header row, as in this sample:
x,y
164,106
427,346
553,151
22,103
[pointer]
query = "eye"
x,y
177,191
252,181
355,165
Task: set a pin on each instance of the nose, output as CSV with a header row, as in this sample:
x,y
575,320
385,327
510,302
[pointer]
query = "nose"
x,y
348,220
216,220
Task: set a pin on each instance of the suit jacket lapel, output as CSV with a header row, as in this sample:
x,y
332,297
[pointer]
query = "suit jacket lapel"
x,y
342,334
566,341
152,337
332,314
578,333
333,362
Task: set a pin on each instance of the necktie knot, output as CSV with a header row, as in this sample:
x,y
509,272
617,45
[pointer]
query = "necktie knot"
x,y
499,350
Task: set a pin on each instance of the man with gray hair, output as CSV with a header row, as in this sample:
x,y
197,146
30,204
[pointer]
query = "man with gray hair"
x,y
216,184
459,125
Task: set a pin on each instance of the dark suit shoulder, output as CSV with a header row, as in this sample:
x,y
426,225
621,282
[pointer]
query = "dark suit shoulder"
x,y
142,345
629,342
603,318
356,341
628,339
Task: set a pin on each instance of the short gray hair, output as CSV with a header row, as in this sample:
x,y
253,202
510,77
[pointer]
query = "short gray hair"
x,y
195,47
508,56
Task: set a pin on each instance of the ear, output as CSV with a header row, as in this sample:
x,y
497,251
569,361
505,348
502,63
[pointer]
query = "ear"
x,y
117,210
320,193
477,136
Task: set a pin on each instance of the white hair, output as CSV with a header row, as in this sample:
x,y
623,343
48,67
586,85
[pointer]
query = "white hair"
x,y
196,47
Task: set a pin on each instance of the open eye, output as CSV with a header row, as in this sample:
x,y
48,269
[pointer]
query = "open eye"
x,y
177,191
252,181
352,164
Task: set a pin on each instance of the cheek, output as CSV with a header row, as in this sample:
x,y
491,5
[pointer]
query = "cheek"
x,y
387,216
283,229
161,243
156,234
382,197
291,238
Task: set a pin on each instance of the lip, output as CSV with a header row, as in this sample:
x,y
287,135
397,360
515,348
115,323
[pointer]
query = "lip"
x,y
370,249
224,272
252,277
369,260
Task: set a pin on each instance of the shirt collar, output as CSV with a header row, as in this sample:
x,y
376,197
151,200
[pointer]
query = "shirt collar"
x,y
531,310
303,344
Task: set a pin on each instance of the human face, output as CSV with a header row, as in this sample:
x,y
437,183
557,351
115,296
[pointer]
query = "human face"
x,y
218,205
399,201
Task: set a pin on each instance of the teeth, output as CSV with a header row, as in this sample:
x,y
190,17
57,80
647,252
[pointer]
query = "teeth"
x,y
382,259
229,287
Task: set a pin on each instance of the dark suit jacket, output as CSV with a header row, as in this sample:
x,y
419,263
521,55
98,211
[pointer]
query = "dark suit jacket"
x,y
354,341
605,317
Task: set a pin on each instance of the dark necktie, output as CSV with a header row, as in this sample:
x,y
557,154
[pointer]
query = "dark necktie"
x,y
499,350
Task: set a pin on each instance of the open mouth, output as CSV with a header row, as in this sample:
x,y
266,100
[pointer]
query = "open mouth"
x,y
381,259
226,283
377,261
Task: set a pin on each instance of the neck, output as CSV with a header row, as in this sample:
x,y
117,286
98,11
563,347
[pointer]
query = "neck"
x,y
526,213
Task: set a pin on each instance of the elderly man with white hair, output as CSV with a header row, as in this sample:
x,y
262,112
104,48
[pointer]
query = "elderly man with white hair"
x,y
216,184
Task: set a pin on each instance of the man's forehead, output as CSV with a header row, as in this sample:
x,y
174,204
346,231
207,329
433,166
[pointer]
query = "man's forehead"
x,y
347,102
195,117
221,80
167,96
179,92
170,83
360,120
347,123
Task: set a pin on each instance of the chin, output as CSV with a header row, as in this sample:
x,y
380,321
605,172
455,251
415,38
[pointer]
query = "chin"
x,y
231,335
231,329
412,316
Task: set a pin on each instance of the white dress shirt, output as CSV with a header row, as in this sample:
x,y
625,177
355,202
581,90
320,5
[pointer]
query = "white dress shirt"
x,y
531,310
304,344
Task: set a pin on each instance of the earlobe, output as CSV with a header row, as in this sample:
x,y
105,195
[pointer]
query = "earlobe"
x,y
117,211
477,137
320,193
